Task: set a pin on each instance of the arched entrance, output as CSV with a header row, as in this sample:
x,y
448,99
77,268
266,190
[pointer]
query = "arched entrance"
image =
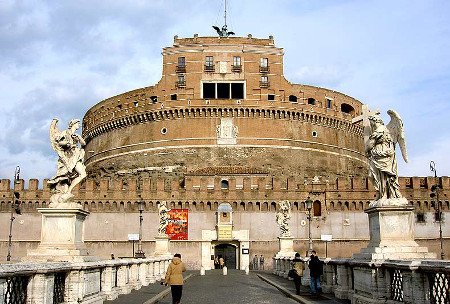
x,y
228,252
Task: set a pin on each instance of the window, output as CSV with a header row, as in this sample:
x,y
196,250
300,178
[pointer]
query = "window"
x,y
271,97
209,64
224,184
236,64
181,81
264,65
292,98
264,82
223,90
181,62
173,97
346,108
311,101
154,99
181,66
264,62
329,103
438,216
236,61
317,208
420,217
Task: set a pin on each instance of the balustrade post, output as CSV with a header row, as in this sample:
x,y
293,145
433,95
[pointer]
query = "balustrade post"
x,y
342,277
40,289
418,288
162,268
74,286
108,281
134,279
122,279
156,270
143,269
327,284
151,271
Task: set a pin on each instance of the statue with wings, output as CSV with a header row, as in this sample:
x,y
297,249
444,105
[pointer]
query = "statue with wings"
x,y
223,32
70,168
283,216
380,150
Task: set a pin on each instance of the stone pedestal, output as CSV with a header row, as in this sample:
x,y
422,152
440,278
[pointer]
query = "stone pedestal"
x,y
392,235
62,236
162,246
286,246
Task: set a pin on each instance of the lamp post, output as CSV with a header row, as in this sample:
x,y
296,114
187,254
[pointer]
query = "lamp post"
x,y
15,207
309,204
435,193
139,253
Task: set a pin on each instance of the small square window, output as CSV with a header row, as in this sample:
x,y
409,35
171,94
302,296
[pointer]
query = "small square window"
x,y
271,97
264,62
173,97
181,62
420,217
209,61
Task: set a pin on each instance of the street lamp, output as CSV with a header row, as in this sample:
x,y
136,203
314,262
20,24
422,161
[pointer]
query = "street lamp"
x,y
435,193
139,253
15,207
309,204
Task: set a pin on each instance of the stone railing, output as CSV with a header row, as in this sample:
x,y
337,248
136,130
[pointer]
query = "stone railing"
x,y
88,282
388,281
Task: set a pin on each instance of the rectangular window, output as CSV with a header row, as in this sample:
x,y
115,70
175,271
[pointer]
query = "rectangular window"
x,y
264,62
329,103
264,79
237,91
181,83
181,62
209,90
271,97
236,61
223,90
209,61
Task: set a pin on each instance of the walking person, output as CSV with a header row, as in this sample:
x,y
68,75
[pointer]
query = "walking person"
x,y
174,278
315,271
221,262
261,262
298,266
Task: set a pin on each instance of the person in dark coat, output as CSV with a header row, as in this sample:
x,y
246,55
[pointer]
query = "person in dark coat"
x,y
298,266
315,271
174,278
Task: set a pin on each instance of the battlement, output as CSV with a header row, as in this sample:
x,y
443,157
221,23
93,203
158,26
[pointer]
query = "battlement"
x,y
198,182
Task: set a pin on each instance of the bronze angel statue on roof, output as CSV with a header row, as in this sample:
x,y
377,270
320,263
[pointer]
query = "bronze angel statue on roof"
x,y
70,168
380,150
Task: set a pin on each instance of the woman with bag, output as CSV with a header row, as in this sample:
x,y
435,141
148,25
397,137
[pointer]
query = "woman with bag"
x,y
298,267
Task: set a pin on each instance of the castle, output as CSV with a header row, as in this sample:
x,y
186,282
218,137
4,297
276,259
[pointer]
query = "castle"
x,y
224,136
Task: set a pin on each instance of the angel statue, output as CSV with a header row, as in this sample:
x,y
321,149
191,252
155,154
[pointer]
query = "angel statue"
x,y
283,215
70,168
163,213
380,150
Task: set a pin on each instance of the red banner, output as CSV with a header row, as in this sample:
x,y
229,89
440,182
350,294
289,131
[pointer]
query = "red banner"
x,y
177,229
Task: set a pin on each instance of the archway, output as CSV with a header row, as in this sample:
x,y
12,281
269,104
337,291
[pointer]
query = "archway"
x,y
228,252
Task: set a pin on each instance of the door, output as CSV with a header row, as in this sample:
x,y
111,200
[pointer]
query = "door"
x,y
228,252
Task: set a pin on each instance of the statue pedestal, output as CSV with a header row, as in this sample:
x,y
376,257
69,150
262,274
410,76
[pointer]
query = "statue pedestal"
x,y
62,236
162,246
392,235
286,246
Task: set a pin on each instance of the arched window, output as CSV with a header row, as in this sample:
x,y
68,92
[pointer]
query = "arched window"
x,y
311,101
224,184
346,108
292,98
317,208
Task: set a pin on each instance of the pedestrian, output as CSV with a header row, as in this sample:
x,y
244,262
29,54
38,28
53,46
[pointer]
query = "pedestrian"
x,y
216,262
261,262
315,271
174,278
255,262
298,266
221,262
112,256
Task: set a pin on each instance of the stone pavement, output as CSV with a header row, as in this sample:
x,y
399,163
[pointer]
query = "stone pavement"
x,y
237,287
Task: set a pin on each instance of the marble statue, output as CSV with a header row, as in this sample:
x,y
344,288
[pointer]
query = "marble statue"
x,y
70,168
163,213
283,215
380,150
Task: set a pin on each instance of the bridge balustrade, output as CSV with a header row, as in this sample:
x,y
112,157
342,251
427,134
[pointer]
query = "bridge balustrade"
x,y
388,281
87,282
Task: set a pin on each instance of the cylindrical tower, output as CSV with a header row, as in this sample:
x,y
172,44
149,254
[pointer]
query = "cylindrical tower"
x,y
224,101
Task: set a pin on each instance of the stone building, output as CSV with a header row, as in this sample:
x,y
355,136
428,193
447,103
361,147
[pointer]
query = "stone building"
x,y
225,136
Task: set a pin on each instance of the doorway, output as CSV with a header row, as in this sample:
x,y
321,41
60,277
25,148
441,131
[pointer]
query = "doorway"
x,y
228,252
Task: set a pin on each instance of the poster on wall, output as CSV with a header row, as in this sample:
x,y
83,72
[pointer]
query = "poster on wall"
x,y
177,229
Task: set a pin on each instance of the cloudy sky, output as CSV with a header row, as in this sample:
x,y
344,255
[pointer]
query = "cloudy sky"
x,y
59,58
